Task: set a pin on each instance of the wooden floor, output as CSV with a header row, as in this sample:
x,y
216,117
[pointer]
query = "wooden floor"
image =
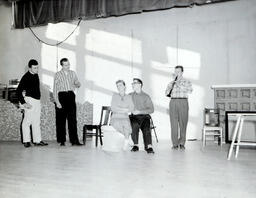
x,y
85,171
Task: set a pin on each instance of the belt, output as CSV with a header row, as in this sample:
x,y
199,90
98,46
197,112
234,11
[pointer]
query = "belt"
x,y
179,98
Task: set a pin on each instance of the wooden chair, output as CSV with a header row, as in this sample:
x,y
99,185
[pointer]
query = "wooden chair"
x,y
212,125
104,120
153,128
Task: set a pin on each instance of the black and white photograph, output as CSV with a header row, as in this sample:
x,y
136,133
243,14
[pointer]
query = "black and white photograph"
x,y
127,98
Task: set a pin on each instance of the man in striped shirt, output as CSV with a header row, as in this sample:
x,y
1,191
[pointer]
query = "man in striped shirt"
x,y
65,83
178,90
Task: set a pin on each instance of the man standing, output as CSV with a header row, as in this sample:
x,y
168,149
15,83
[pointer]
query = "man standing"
x,y
29,95
178,90
140,117
65,82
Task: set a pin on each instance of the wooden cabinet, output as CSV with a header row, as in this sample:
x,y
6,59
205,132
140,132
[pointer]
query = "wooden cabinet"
x,y
237,97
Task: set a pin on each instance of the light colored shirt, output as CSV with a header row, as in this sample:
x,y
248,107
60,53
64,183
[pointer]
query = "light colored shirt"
x,y
142,102
181,88
121,105
64,81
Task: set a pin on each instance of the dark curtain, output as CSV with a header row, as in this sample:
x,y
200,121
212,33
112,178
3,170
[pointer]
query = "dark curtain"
x,y
28,13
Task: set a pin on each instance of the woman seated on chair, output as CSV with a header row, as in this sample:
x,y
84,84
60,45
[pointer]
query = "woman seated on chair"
x,y
121,106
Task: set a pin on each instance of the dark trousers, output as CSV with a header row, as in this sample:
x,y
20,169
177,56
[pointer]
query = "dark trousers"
x,y
141,122
67,112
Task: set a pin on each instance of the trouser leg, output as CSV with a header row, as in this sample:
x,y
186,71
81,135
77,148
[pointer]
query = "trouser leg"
x,y
60,124
145,128
36,131
183,120
174,122
26,125
135,129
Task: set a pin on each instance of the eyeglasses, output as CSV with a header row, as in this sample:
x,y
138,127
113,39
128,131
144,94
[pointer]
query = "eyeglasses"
x,y
135,83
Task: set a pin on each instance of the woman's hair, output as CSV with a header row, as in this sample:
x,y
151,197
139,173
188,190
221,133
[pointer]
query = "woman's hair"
x,y
120,81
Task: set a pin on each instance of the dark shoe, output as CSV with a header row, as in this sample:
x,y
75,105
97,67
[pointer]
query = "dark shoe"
x,y
62,144
77,144
135,148
41,144
150,150
182,147
175,147
27,144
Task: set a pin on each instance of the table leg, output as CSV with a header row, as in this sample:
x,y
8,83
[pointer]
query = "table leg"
x,y
234,136
239,136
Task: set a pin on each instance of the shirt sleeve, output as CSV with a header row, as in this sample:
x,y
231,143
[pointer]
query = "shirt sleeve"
x,y
131,105
149,106
21,87
168,88
113,103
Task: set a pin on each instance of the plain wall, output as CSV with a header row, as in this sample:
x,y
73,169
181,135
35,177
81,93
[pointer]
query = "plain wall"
x,y
215,43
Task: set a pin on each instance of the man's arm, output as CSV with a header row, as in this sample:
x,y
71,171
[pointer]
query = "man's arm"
x,y
55,91
20,89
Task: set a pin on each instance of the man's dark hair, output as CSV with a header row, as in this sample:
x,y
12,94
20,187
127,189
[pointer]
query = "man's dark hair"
x,y
179,66
139,80
63,60
120,81
32,62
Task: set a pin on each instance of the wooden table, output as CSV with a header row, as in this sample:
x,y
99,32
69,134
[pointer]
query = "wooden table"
x,y
240,117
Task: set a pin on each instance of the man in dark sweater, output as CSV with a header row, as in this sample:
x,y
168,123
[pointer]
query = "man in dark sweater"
x,y
140,117
29,96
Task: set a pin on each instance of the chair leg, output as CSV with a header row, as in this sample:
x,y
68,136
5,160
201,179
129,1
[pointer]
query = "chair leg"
x,y
203,138
155,135
96,139
221,131
100,134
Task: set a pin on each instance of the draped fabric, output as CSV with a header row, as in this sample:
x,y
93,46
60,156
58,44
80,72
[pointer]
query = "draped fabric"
x,y
28,13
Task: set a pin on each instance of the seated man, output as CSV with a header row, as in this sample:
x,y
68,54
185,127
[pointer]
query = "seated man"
x,y
140,118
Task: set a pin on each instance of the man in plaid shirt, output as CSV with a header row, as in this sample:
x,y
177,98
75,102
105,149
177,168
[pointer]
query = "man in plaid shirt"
x,y
178,90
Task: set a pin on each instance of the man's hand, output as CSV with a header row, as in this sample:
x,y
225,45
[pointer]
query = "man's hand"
x,y
58,105
27,106
77,84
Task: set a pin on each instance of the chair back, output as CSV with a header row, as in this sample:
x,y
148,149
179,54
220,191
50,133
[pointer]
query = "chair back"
x,y
211,117
105,115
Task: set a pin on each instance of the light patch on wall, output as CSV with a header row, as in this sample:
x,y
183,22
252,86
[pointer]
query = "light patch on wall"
x,y
47,80
60,31
195,100
172,56
105,73
48,58
190,59
114,46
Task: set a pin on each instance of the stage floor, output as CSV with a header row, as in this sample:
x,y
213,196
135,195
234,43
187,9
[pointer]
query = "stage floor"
x,y
86,171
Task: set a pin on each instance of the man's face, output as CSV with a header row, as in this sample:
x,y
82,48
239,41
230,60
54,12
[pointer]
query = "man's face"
x,y
34,69
136,86
120,87
178,72
66,65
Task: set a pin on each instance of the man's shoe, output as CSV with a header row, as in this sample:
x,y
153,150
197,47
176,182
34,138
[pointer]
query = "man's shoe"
x,y
135,148
41,143
182,147
62,144
150,150
175,147
77,144
27,144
